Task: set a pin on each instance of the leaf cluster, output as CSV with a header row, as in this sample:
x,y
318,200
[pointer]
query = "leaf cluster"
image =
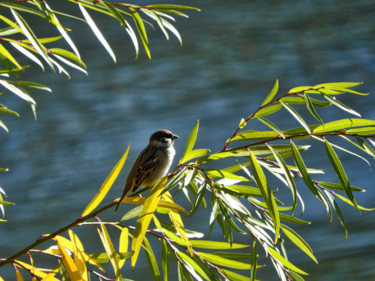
x,y
241,198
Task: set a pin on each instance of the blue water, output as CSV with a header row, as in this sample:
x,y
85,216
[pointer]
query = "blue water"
x,y
231,54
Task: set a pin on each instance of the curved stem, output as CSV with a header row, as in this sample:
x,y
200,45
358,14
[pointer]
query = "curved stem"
x,y
57,232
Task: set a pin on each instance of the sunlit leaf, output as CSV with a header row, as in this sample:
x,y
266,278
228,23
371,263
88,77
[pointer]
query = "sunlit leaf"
x,y
107,184
151,259
342,124
110,250
267,110
217,245
341,105
311,108
97,32
272,94
284,261
296,116
190,143
223,261
33,39
145,217
261,181
79,257
351,203
69,264
340,172
123,244
27,54
192,266
141,30
8,55
298,241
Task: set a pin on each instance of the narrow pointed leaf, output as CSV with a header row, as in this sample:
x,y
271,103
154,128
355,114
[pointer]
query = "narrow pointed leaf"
x,y
288,176
272,94
145,217
340,172
351,203
8,55
107,184
190,143
151,259
78,255
33,39
341,105
141,30
97,32
272,126
296,116
223,261
262,184
217,245
298,241
267,110
284,261
17,91
69,264
190,263
343,124
110,250
27,54
254,260
311,108
123,244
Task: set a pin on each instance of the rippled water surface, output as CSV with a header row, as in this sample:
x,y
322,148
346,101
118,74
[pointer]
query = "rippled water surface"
x,y
231,54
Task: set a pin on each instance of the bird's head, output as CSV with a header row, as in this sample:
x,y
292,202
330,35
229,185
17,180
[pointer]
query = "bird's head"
x,y
163,138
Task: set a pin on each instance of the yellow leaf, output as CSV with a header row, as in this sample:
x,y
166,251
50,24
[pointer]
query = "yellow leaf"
x,y
145,217
110,250
123,244
162,203
68,262
176,220
78,254
107,184
34,270
66,243
19,275
51,276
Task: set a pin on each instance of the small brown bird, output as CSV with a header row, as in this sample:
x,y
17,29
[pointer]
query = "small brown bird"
x,y
152,164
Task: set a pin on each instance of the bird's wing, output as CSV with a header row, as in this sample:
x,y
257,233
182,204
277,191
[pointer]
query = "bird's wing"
x,y
146,163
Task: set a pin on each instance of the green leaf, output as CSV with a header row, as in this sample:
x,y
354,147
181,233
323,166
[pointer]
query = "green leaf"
x,y
107,184
17,91
96,31
254,260
272,126
284,261
288,176
190,143
301,100
338,85
224,174
165,260
5,110
338,212
272,94
104,258
171,7
311,108
34,85
223,261
340,172
338,186
298,241
233,256
141,30
342,124
267,195
27,54
243,190
296,116
300,89
364,131
192,266
33,39
267,110
351,203
341,105
151,259
216,245
256,135
9,56
110,250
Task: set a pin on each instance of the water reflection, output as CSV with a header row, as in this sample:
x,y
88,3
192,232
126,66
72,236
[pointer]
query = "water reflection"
x,y
231,54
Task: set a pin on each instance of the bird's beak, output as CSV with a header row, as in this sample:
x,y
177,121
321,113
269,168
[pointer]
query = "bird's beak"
x,y
175,137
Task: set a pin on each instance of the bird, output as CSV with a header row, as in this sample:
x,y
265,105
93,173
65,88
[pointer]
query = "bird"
x,y
152,164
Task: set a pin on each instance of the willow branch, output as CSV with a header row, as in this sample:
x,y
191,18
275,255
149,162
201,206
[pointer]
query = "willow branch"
x,y
57,232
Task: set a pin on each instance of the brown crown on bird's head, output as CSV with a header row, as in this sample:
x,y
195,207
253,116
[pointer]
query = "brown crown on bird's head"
x,y
162,136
